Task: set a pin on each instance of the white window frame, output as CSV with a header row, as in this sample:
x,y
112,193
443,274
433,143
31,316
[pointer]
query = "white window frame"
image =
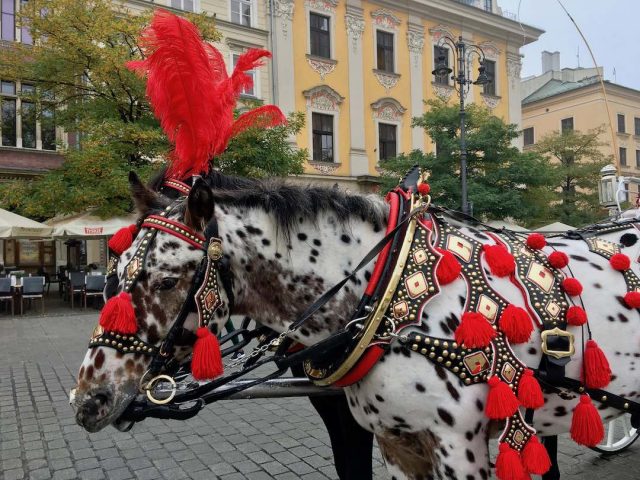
x,y
38,105
394,32
252,17
256,76
336,117
196,6
332,28
398,125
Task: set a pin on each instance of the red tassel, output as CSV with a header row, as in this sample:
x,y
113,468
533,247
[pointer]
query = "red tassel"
x,y
474,330
586,424
501,401
536,241
206,361
449,268
535,458
508,464
117,315
597,373
516,324
558,259
424,189
572,286
122,239
529,391
620,262
576,316
632,299
500,261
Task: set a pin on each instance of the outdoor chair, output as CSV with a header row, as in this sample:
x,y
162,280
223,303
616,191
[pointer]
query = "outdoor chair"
x,y
6,295
76,285
32,287
94,285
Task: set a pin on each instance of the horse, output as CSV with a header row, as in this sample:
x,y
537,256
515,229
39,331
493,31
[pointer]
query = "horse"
x,y
285,245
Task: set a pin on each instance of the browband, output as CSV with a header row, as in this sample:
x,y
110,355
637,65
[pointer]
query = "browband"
x,y
176,229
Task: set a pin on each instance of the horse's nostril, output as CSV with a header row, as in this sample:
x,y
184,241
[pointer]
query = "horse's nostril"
x,y
101,399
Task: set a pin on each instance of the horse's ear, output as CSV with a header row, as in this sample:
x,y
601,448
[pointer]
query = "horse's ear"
x,y
145,199
199,206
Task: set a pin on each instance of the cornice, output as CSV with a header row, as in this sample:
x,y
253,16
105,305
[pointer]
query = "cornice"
x,y
454,13
613,90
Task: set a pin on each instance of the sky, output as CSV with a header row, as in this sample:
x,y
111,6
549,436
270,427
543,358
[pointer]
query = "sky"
x,y
611,27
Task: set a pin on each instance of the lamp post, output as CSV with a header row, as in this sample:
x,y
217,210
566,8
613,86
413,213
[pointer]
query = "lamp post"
x,y
463,55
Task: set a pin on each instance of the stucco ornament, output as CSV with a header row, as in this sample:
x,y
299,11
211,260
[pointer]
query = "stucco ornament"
x,y
284,9
415,41
328,6
443,91
355,27
387,80
321,67
388,109
323,98
325,168
386,19
490,101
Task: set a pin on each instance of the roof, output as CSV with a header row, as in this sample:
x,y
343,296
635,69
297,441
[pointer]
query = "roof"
x,y
555,227
86,225
556,87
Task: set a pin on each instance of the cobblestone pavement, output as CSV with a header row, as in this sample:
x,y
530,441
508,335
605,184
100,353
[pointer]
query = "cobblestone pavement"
x,y
248,439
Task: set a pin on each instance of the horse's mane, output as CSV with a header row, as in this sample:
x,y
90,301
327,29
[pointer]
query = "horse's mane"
x,y
292,203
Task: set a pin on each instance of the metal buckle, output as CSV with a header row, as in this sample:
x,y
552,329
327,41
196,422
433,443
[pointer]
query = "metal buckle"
x,y
152,383
556,332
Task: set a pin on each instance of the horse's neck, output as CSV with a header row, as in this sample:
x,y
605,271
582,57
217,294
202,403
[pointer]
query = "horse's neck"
x,y
276,278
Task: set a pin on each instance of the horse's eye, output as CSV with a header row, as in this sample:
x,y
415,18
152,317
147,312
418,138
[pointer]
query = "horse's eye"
x,y
167,283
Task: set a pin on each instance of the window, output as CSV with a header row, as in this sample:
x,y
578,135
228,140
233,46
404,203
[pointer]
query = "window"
x,y
387,139
441,55
319,29
25,31
186,5
48,128
636,126
28,117
241,12
8,23
322,137
621,128
8,114
527,133
623,156
490,70
384,42
566,124
250,91
638,158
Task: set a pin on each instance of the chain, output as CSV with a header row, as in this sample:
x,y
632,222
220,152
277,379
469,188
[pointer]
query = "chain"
x,y
257,351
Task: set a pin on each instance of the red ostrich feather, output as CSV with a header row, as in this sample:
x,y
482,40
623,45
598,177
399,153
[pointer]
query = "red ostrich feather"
x,y
192,95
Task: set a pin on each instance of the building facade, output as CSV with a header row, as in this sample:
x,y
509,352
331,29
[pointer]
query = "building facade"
x,y
361,70
572,98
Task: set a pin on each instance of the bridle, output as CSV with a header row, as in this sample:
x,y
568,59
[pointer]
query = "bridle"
x,y
202,298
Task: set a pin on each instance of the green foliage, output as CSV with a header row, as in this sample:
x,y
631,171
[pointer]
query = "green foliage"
x,y
265,152
502,181
576,160
77,64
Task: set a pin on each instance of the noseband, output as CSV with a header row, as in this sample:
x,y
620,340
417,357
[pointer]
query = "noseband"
x,y
203,296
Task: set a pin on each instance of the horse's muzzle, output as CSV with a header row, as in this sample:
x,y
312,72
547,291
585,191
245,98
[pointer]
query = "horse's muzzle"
x,y
94,409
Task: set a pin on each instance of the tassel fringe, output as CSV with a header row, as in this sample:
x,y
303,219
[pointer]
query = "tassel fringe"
x,y
206,362
516,324
474,330
449,268
118,315
596,369
500,261
529,391
586,424
508,464
535,458
501,401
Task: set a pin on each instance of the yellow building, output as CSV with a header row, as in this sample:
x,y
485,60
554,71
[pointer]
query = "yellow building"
x,y
573,99
361,70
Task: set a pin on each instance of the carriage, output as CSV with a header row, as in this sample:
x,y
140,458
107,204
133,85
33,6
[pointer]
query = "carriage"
x,y
439,330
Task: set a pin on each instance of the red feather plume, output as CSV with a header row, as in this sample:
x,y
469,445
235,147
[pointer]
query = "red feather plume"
x,y
192,94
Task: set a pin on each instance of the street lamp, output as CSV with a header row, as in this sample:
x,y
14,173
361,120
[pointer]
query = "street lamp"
x,y
463,55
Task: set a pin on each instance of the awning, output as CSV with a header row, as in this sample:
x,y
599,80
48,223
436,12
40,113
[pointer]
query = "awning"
x,y
555,227
16,226
508,225
88,226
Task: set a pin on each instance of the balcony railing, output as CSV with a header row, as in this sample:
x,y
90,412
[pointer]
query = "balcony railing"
x,y
486,5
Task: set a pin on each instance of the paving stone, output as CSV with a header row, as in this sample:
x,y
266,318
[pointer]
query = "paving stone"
x,y
94,474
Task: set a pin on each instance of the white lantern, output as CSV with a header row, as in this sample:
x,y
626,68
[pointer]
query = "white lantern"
x,y
608,186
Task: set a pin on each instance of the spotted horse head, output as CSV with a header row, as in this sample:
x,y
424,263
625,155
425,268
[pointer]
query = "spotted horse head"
x,y
167,284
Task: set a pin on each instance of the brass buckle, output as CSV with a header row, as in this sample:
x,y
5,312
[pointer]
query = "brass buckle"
x,y
556,332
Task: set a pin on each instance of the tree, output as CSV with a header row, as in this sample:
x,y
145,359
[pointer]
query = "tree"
x,y
576,160
77,64
502,181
